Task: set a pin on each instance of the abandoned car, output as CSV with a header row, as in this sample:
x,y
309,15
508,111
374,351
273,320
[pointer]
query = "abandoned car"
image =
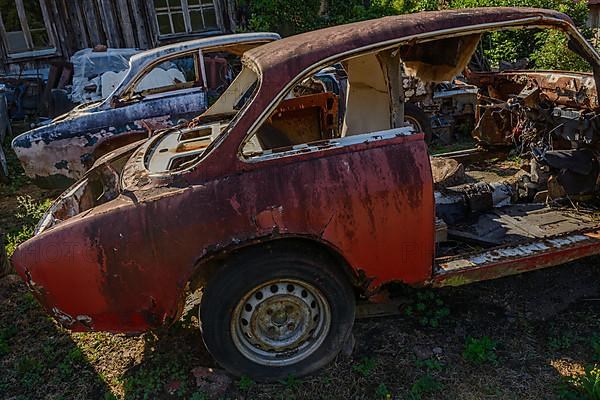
x,y
161,88
284,212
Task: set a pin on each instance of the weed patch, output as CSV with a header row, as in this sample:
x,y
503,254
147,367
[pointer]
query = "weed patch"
x,y
560,343
28,213
426,384
585,387
365,367
382,392
428,308
480,351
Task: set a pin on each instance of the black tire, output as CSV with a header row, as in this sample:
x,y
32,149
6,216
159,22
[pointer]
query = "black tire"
x,y
241,279
419,119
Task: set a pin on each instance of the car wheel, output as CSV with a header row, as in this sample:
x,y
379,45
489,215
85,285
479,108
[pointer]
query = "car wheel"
x,y
276,313
418,119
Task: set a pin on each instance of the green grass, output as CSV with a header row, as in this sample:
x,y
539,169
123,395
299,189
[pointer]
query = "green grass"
x,y
365,367
382,392
245,383
426,384
560,343
430,365
5,335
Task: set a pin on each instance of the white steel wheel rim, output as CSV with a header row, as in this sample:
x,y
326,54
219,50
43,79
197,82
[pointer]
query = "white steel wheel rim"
x,y
414,122
280,322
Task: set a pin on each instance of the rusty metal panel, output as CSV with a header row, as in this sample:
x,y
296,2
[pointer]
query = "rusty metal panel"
x,y
372,202
515,259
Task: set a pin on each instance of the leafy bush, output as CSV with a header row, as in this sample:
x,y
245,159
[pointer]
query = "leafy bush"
x,y
547,51
29,212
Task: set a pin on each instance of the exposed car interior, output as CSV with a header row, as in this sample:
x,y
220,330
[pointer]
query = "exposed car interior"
x,y
547,121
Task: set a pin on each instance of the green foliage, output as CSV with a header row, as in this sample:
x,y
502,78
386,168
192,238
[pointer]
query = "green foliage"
x,y
5,335
586,386
546,51
428,308
149,381
595,343
71,361
382,392
245,383
430,364
480,351
559,343
424,385
199,396
30,371
365,367
553,53
29,212
291,382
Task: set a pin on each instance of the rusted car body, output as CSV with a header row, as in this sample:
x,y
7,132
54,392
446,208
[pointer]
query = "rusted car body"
x,y
60,152
265,175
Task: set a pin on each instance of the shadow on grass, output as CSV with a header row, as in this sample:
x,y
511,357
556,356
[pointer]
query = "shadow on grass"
x,y
169,359
37,358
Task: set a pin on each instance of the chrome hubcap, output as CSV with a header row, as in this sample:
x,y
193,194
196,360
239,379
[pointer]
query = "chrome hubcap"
x,y
280,322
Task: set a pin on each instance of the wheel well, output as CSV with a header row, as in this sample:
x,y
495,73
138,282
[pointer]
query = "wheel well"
x,y
207,267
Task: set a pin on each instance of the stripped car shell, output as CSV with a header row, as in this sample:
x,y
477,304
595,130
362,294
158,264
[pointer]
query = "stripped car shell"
x,y
120,256
61,151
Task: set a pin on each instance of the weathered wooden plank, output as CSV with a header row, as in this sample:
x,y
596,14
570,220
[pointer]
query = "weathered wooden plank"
x,y
231,13
88,12
142,23
109,23
125,21
3,49
79,20
75,25
51,28
151,23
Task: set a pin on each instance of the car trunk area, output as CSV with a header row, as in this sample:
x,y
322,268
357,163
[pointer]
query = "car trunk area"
x,y
484,229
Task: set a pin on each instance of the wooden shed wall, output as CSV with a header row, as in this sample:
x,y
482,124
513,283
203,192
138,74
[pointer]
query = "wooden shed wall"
x,y
79,24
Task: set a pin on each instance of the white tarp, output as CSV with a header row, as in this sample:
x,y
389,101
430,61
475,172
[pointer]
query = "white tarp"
x,y
89,68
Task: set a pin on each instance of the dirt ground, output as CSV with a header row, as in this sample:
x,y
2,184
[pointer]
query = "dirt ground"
x,y
539,328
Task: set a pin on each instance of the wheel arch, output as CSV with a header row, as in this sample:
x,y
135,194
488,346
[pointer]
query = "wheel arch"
x,y
209,264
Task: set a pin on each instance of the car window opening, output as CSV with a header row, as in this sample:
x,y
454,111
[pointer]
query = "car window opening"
x,y
361,95
183,147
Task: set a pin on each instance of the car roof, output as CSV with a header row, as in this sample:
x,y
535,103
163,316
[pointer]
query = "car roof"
x,y
140,61
282,60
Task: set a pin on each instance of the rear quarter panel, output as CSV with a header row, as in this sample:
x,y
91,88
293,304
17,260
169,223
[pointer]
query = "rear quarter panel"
x,y
124,266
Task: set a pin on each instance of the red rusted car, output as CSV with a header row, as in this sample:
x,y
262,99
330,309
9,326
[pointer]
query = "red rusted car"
x,y
284,202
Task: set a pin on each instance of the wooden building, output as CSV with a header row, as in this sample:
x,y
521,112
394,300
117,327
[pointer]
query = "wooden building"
x,y
34,32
